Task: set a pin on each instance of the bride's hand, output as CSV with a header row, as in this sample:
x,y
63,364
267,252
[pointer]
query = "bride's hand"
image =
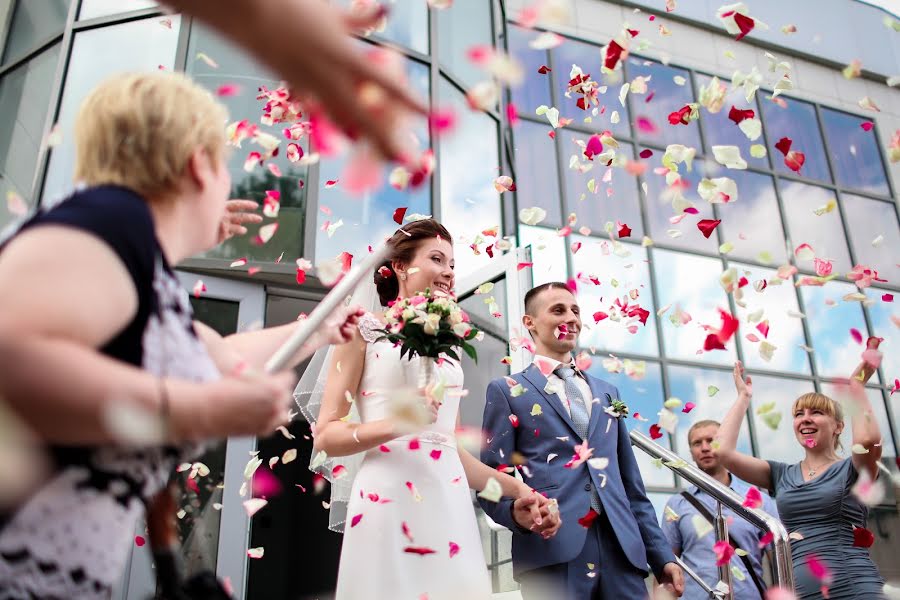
x,y
432,404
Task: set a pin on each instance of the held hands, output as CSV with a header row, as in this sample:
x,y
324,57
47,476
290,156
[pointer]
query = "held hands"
x,y
672,579
743,385
538,514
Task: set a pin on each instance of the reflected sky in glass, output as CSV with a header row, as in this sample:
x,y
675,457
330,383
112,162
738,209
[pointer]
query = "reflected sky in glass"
x,y
589,59
693,283
878,412
535,88
836,353
140,46
537,175
779,444
797,122
368,219
468,160
620,277
612,201
823,232
880,313
659,210
548,253
463,24
644,396
100,8
690,384
785,332
867,220
406,23
854,153
667,97
753,223
719,130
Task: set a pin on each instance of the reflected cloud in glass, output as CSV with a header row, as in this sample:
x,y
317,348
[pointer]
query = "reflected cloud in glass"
x,y
798,122
659,210
867,220
620,277
780,444
548,253
535,88
588,58
823,232
830,320
406,23
691,282
463,24
612,201
690,384
468,160
785,332
667,97
880,313
644,396
854,153
537,175
719,130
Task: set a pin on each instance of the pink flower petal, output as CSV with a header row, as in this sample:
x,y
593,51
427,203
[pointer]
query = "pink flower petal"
x,y
856,335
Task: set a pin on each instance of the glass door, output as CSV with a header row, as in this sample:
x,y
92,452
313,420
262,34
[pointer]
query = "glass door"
x,y
213,525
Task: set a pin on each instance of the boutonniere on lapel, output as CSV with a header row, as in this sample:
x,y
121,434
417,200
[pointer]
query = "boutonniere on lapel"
x,y
616,409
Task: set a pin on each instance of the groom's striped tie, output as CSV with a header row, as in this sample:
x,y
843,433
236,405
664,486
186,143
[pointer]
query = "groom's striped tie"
x,y
579,415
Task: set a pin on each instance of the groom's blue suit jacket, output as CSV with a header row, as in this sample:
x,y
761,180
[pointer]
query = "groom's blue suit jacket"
x,y
551,431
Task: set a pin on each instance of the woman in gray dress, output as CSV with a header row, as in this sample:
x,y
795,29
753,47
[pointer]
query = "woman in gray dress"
x,y
814,496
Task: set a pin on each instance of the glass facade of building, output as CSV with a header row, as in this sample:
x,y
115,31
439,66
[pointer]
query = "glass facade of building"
x,y
51,59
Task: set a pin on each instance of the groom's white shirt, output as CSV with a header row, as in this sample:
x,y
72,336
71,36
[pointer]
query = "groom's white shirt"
x,y
554,380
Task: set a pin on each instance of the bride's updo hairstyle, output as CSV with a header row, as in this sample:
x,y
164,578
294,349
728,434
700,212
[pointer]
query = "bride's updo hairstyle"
x,y
402,249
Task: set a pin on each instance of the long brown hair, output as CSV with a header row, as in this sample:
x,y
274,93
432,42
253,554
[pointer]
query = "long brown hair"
x,y
403,246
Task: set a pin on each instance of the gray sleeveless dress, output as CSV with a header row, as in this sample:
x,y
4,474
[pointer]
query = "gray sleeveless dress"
x,y
824,511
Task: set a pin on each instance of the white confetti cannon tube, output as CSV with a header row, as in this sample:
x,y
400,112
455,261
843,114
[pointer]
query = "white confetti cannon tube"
x,y
323,310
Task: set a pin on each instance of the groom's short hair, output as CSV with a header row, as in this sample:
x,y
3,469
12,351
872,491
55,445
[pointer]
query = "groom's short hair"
x,y
532,295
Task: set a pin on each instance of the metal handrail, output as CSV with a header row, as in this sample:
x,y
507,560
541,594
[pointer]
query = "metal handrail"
x,y
725,496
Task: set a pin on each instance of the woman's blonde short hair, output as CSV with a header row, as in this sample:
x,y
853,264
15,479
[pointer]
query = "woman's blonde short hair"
x,y
138,130
817,401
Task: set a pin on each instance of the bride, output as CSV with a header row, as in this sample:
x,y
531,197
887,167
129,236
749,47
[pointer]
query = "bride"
x,y
409,526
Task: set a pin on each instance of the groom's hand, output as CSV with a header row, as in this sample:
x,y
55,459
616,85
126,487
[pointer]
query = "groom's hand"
x,y
533,512
672,579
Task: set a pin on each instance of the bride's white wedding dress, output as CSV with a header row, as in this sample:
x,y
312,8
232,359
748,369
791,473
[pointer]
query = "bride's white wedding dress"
x,y
411,531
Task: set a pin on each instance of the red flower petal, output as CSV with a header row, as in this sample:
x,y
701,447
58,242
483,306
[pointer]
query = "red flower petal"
x,y
794,160
512,114
599,316
139,541
784,145
744,23
355,520
646,153
544,70
624,230
867,126
399,214
737,115
594,147
454,549
856,335
514,420
420,550
613,54
655,432
587,520
435,454
707,226
680,116
862,537
763,328
767,539
414,444
753,499
523,265
887,297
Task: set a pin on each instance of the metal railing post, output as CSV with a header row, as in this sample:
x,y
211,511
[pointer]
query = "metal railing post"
x,y
722,536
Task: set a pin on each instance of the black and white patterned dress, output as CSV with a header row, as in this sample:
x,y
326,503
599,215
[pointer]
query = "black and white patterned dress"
x,y
71,538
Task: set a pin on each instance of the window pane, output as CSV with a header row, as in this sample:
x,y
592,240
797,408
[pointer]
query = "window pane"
x,y
24,102
236,67
535,88
406,23
624,281
880,313
468,161
690,384
867,220
588,58
368,219
719,130
785,332
854,153
663,97
659,210
823,232
464,24
644,396
32,23
548,253
142,45
830,320
796,121
102,8
753,223
777,444
537,175
611,201
691,283
878,412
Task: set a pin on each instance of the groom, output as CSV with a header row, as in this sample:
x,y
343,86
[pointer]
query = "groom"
x,y
609,531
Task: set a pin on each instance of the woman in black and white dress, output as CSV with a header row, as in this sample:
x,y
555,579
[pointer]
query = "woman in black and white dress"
x,y
95,330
